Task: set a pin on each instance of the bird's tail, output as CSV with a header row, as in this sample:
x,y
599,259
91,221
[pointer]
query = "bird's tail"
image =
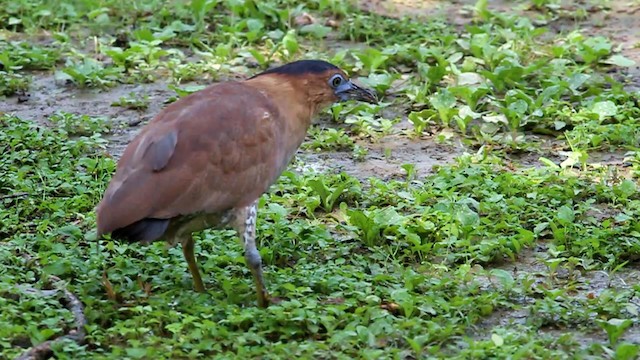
x,y
145,230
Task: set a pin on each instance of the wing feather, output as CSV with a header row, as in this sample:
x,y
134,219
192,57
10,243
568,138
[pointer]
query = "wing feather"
x,y
211,151
159,152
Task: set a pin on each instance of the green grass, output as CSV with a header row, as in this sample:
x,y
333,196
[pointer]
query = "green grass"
x,y
364,267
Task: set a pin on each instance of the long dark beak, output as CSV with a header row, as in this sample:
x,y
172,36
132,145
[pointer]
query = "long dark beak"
x,y
350,91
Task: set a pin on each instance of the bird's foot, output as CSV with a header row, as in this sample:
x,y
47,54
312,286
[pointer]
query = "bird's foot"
x,y
263,299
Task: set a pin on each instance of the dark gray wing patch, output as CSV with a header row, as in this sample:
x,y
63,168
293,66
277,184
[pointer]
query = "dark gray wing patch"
x,y
160,151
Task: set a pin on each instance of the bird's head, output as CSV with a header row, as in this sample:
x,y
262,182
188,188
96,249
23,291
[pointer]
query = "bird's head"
x,y
322,82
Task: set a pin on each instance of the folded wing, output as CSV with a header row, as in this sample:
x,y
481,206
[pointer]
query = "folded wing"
x,y
214,150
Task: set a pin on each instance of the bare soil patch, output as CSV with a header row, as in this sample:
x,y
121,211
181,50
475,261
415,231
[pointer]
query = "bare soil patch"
x,y
384,159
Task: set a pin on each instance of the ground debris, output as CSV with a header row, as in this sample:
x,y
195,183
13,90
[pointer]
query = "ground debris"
x,y
73,304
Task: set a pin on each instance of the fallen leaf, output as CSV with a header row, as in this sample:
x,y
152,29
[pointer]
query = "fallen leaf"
x,y
390,307
332,23
304,19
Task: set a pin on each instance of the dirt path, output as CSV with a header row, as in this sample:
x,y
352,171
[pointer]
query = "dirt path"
x,y
385,158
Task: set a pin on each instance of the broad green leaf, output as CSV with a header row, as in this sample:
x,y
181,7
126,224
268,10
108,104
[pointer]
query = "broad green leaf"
x,y
620,60
290,42
614,328
627,187
469,78
186,90
143,34
482,9
622,217
577,80
371,58
320,188
369,228
566,215
559,125
276,34
254,24
627,351
136,353
260,58
465,111
504,277
594,48
548,162
495,119
317,30
605,109
548,94
380,82
56,268
467,217
278,209
497,340
443,101
519,107
540,227
388,217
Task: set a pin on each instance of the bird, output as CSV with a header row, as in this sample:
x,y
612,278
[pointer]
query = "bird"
x,y
204,161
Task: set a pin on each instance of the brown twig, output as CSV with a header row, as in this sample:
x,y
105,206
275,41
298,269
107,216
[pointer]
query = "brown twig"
x,y
71,302
11,196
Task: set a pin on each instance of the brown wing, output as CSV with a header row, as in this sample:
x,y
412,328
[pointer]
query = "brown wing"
x,y
208,152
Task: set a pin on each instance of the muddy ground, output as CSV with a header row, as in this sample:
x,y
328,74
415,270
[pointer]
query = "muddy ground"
x,y
585,284
618,20
621,22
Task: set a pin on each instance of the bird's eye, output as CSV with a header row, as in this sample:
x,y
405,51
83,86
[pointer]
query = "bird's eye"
x,y
336,80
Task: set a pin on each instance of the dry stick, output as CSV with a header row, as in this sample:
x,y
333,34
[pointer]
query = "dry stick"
x,y
11,196
43,351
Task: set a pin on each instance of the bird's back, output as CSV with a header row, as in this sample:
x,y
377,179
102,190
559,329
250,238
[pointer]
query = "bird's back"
x,y
214,150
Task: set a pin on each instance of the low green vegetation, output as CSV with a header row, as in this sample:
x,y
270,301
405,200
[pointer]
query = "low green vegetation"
x,y
484,257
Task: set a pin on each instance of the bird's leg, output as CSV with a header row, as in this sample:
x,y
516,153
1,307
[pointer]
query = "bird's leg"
x,y
187,250
247,231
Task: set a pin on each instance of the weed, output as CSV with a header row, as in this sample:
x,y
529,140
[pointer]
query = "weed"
x,y
416,264
79,125
329,139
133,102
